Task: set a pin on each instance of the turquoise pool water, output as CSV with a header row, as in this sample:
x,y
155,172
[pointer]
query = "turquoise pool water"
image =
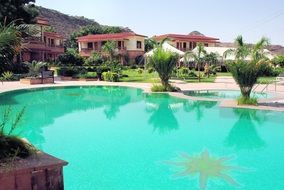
x,y
223,94
119,138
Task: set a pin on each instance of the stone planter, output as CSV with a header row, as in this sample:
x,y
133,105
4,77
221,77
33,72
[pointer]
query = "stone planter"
x,y
33,81
66,78
38,172
88,79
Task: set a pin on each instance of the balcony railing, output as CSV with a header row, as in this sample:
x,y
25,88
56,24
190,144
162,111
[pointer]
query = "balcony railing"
x,y
121,50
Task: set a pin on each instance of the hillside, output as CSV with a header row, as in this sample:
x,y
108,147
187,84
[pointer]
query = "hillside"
x,y
65,24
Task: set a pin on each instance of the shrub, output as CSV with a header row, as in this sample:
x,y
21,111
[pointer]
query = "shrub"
x,y
161,88
266,70
88,75
192,74
183,72
150,70
19,68
278,61
133,66
7,76
94,60
35,68
68,71
110,76
11,146
71,58
140,71
247,101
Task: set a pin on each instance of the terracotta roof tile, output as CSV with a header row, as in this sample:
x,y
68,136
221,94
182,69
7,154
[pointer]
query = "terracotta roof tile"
x,y
187,37
100,37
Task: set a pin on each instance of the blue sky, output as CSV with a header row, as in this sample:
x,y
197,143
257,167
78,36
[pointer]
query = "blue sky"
x,y
224,19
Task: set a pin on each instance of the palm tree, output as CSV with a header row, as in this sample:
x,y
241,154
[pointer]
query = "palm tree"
x,y
197,56
110,48
246,68
10,44
35,68
163,62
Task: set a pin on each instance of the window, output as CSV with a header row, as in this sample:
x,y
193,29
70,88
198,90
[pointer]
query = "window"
x,y
177,45
90,45
52,42
184,45
96,46
119,45
139,45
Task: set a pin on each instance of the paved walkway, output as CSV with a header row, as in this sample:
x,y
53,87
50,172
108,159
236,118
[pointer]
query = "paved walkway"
x,y
278,96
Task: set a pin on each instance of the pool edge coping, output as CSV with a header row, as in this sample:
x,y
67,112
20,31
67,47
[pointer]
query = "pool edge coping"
x,y
146,89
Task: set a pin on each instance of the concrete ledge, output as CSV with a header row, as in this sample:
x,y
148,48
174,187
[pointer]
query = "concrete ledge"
x,y
40,171
234,104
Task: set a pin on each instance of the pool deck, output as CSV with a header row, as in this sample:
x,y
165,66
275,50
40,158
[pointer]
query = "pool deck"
x,y
266,104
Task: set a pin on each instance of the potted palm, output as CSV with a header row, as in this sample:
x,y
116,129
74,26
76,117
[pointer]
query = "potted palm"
x,y
34,73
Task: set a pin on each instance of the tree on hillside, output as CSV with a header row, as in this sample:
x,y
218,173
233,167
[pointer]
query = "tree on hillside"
x,y
21,11
248,64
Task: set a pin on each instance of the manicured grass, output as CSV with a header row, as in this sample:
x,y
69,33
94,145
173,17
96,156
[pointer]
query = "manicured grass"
x,y
224,74
266,80
211,79
134,76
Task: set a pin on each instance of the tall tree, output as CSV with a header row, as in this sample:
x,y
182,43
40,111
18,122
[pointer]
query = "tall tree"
x,y
197,56
21,11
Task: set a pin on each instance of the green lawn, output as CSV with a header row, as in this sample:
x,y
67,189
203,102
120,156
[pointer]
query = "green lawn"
x,y
266,80
211,79
224,74
134,76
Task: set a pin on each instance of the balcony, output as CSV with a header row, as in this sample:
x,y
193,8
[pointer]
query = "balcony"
x,y
38,45
86,52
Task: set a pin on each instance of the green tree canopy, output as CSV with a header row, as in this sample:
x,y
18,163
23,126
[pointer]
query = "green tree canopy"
x,y
23,11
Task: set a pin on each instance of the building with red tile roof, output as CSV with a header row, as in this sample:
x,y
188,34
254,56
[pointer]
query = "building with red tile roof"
x,y
128,44
187,42
43,46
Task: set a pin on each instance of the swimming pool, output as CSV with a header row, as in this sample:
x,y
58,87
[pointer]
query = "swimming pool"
x,y
120,138
223,94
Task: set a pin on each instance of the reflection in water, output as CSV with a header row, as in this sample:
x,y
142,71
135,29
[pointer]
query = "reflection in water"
x,y
243,134
198,107
162,108
47,104
206,166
